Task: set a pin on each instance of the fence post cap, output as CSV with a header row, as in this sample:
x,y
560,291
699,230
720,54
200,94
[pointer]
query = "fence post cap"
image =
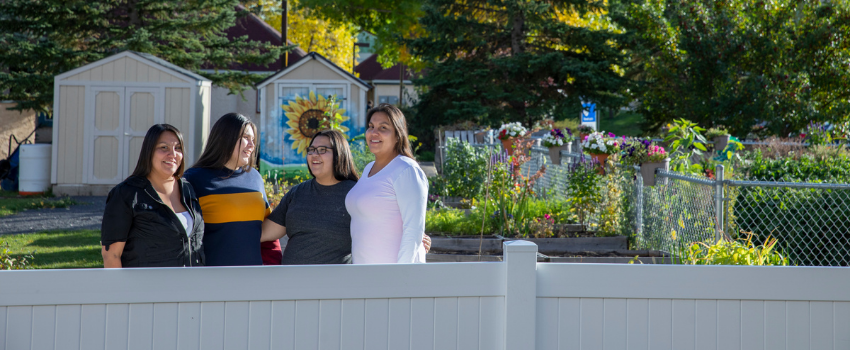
x,y
520,246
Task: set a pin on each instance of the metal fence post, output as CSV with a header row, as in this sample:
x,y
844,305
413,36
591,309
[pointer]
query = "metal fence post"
x,y
718,202
638,205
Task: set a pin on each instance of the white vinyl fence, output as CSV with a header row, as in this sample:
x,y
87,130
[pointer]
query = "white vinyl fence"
x,y
516,304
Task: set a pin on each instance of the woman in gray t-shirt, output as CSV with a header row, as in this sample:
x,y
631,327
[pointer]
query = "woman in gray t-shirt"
x,y
313,213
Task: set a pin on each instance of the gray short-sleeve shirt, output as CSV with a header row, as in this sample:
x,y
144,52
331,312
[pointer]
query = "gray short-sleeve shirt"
x,y
317,223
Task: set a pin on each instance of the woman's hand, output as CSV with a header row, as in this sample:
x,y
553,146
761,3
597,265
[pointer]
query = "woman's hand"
x,y
112,257
272,231
426,241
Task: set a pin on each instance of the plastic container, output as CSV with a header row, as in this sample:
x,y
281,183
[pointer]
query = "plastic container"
x,y
34,175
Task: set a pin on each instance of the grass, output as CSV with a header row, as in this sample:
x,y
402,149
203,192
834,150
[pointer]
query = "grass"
x,y
624,123
10,205
58,249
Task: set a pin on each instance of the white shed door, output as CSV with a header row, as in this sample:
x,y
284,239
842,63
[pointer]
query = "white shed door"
x,y
121,117
107,136
142,113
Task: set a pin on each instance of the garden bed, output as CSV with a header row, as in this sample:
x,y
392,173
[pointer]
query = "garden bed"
x,y
492,245
615,256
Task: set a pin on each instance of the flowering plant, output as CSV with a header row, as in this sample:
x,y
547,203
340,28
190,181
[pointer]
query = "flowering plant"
x,y
643,151
542,227
509,130
822,134
584,129
556,138
602,143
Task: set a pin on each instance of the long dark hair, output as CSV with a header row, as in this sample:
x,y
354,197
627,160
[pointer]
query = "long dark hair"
x,y
224,136
399,126
145,164
344,168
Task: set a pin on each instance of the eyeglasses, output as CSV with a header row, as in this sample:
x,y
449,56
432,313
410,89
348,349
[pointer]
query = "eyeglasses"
x,y
319,150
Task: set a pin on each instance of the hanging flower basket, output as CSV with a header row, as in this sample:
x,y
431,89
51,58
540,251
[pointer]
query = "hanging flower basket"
x,y
508,145
601,158
508,132
556,140
555,152
720,142
647,170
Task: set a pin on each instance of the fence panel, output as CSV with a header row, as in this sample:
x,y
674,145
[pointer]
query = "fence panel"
x,y
811,221
677,210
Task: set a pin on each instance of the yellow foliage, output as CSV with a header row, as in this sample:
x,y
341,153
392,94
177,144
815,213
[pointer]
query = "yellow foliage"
x,y
335,41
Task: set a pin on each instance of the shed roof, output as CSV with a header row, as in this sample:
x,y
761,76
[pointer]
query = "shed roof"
x,y
161,63
319,58
170,65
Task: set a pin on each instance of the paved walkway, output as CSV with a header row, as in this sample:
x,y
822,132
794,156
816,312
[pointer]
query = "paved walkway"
x,y
87,214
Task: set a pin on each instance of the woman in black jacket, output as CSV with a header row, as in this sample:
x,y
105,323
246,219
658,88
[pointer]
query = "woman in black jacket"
x,y
153,218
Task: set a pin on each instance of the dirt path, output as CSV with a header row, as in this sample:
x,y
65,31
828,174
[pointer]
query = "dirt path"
x,y
87,214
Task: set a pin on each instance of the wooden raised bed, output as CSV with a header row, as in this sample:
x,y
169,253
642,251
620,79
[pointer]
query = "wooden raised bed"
x,y
492,245
562,250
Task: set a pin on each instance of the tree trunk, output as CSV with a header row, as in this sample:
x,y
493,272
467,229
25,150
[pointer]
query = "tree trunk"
x,y
516,34
134,13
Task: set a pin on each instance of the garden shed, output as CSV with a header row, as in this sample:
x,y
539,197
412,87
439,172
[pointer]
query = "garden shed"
x,y
293,102
103,110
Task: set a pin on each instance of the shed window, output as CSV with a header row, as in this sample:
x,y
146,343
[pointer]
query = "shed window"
x,y
393,100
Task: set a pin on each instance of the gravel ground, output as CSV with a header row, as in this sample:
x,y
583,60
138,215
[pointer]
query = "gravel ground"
x,y
87,214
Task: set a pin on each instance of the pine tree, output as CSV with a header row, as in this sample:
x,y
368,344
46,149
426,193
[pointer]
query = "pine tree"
x,y
40,39
494,61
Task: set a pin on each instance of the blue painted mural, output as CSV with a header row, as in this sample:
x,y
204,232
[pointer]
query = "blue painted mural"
x,y
301,114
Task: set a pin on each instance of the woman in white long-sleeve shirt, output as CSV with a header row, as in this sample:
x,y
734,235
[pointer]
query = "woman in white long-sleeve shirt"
x,y
387,205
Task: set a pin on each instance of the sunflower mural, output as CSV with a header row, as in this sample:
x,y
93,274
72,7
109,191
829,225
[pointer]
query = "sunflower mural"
x,y
306,116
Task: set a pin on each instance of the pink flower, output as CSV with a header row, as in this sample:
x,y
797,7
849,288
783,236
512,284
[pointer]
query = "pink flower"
x,y
547,216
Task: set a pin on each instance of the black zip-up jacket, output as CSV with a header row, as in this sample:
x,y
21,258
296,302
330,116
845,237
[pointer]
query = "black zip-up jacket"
x,y
153,234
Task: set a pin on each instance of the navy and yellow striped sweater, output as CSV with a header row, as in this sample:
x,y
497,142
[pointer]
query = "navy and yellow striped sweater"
x,y
234,205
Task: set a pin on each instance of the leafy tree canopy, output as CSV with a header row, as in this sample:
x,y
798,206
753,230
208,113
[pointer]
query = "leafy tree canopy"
x,y
388,20
494,61
334,40
739,63
43,38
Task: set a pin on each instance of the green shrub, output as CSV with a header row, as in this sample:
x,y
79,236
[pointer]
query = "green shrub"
x,y
360,153
456,222
733,252
584,190
809,167
464,170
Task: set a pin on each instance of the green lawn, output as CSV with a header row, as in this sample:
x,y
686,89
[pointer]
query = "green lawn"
x,y
58,249
624,123
11,202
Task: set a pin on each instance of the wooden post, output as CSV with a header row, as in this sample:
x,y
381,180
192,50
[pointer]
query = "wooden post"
x,y
283,37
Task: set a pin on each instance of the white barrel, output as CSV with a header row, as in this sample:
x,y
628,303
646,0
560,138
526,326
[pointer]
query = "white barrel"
x,y
34,171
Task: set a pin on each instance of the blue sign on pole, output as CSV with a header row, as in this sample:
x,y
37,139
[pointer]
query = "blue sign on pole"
x,y
588,113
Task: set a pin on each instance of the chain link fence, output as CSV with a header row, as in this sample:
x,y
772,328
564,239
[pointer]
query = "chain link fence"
x,y
810,220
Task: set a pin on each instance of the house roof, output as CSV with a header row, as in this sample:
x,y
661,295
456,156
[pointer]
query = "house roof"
x,y
371,70
258,30
321,59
